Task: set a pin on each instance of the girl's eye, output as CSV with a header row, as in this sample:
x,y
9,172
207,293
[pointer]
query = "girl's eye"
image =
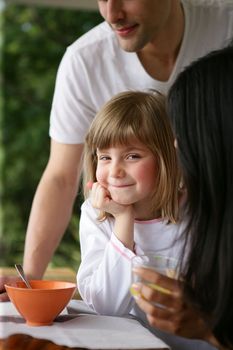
x,y
133,156
103,157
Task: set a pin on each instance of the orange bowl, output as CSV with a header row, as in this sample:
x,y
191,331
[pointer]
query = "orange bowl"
x,y
40,305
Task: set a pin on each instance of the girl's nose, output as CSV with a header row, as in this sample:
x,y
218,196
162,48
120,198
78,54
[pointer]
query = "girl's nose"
x,y
115,11
117,170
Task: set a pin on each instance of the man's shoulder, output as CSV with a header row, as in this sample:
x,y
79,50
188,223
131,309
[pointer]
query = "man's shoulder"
x,y
211,15
211,4
99,36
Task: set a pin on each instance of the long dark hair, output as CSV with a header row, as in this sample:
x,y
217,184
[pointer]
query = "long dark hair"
x,y
200,105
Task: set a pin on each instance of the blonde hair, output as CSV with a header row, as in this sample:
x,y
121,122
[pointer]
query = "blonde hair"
x,y
140,115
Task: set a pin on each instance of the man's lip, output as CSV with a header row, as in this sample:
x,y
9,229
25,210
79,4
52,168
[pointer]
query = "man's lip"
x,y
125,30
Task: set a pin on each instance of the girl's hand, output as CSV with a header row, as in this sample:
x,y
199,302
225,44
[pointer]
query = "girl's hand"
x,y
123,214
101,199
176,315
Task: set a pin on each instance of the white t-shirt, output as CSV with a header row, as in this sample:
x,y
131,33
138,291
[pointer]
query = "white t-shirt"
x,y
104,275
94,68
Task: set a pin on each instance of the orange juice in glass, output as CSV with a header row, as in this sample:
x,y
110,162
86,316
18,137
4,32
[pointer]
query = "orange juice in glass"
x,y
165,265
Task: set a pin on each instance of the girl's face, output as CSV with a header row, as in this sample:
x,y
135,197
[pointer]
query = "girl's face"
x,y
128,172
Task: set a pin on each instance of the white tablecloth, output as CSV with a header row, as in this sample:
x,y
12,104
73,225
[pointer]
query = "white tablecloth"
x,y
78,326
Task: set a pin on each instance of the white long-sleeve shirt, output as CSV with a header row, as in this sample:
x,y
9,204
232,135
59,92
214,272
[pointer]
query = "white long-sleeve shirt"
x,y
104,276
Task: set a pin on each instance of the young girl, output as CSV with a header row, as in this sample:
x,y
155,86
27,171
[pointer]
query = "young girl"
x,y
133,206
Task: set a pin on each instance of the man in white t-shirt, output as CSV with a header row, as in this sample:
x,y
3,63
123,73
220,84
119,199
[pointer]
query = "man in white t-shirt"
x,y
142,44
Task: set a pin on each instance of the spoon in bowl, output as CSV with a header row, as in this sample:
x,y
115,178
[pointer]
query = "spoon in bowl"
x,y
21,273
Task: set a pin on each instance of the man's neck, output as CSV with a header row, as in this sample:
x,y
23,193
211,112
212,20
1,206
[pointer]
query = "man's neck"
x,y
159,56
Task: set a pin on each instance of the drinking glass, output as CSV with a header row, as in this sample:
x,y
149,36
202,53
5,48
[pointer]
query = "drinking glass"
x,y
165,265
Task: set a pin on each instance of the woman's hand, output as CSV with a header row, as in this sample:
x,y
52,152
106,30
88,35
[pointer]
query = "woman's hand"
x,y
176,315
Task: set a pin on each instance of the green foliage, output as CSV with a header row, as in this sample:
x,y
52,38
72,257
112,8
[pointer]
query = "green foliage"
x,y
1,127
34,41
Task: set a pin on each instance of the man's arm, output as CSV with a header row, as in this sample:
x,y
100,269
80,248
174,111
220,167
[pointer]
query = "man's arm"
x,y
52,207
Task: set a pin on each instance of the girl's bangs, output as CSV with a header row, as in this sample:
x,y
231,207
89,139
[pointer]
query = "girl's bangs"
x,y
111,136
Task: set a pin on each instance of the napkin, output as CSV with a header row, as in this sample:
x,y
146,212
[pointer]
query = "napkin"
x,y
79,326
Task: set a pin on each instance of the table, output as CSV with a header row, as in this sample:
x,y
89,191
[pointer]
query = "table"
x,y
78,328
26,342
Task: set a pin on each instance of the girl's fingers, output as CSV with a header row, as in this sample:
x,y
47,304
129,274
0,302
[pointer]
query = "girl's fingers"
x,y
101,199
89,185
99,196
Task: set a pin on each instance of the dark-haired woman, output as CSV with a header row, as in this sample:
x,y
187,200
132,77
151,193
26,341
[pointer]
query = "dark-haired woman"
x,y
200,105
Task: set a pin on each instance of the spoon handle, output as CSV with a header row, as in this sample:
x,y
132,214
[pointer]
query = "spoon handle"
x,y
20,271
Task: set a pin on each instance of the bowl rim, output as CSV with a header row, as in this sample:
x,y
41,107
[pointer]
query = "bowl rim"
x,y
70,285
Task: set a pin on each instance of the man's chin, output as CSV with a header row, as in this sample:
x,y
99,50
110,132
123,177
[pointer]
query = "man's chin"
x,y
126,46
